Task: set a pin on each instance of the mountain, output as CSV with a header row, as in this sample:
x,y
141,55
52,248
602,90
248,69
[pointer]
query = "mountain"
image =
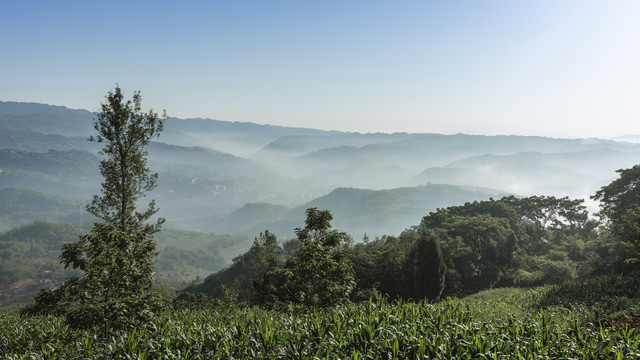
x,y
209,170
23,206
196,185
628,138
222,183
357,211
237,138
69,173
575,174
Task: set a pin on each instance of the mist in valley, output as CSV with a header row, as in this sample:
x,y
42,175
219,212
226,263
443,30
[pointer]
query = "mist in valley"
x,y
243,178
221,184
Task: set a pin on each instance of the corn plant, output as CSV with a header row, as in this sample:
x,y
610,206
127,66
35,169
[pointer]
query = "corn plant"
x,y
375,329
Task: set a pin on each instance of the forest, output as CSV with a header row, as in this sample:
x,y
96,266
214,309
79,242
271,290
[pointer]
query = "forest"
x,y
474,272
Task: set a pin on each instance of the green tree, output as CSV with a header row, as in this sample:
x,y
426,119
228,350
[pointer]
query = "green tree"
x,y
318,274
620,208
264,259
426,268
117,256
115,291
125,130
478,251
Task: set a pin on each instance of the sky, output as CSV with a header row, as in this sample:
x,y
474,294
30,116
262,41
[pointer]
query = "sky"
x,y
551,68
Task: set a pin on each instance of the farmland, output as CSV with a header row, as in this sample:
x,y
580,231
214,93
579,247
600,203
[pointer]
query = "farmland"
x,y
592,319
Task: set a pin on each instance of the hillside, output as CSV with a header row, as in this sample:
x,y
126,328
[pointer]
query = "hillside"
x,y
30,250
357,211
219,177
210,169
534,172
23,206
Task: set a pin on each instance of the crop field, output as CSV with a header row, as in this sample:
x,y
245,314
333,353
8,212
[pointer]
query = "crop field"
x,y
499,324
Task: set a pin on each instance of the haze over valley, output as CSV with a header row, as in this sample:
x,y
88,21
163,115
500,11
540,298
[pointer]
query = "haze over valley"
x,y
242,178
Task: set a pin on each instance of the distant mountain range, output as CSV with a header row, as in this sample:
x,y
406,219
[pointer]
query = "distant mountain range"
x,y
232,177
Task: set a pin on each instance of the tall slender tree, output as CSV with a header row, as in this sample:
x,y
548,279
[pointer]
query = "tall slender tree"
x,y
125,130
117,256
426,268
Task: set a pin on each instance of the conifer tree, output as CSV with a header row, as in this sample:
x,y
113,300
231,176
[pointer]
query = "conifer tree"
x,y
426,268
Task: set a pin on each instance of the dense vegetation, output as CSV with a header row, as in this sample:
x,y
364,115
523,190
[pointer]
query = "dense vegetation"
x,y
485,244
580,321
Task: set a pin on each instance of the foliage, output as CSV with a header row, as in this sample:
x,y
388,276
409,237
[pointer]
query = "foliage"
x,y
117,256
380,266
28,251
620,206
115,289
426,268
318,273
515,241
313,270
372,329
125,130
621,195
262,262
29,260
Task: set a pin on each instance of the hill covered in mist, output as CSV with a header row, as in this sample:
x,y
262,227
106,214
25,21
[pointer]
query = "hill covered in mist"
x,y
219,176
222,183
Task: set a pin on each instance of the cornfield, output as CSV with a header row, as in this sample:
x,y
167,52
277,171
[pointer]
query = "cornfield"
x,y
376,329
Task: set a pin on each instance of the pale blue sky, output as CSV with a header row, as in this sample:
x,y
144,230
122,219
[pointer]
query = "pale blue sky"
x,y
553,68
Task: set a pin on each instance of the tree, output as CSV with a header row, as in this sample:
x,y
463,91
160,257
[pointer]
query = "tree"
x,y
262,261
115,291
426,268
318,274
620,207
478,250
126,130
117,256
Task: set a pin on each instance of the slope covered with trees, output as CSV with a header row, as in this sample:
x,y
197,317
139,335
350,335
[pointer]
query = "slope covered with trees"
x,y
455,251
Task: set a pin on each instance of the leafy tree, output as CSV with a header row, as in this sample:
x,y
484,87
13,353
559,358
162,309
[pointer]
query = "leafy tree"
x,y
126,130
380,266
264,258
115,291
480,248
620,207
117,256
426,268
516,241
392,263
318,274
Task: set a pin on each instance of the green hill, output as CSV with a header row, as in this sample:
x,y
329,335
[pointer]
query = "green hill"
x,y
22,206
28,251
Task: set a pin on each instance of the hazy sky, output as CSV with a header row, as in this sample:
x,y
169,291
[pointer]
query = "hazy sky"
x,y
554,68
